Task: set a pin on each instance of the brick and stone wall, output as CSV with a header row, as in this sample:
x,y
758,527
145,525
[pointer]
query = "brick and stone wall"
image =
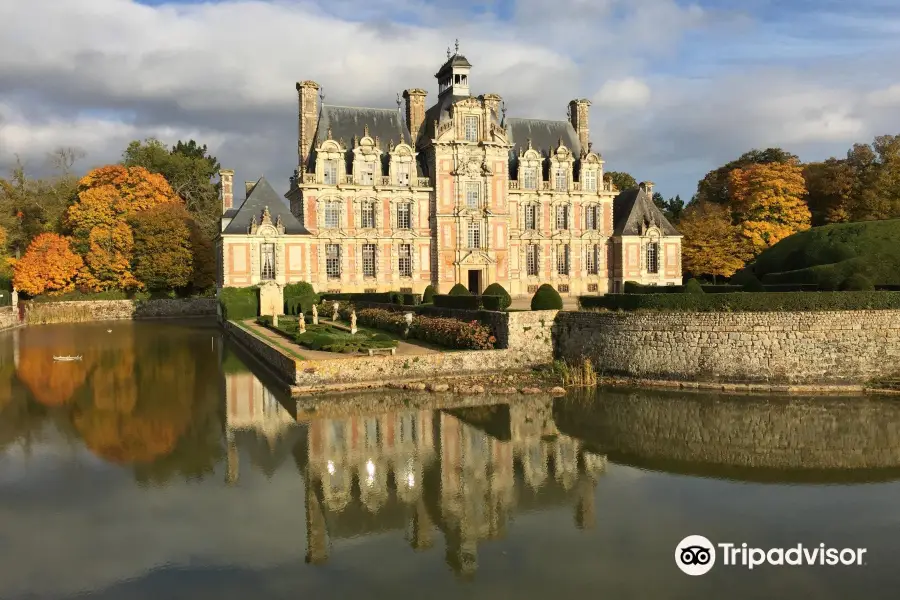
x,y
9,317
103,310
663,429
838,347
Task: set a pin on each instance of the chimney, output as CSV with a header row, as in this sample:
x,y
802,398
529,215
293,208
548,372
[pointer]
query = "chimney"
x,y
308,93
578,116
415,112
647,186
248,187
492,104
226,191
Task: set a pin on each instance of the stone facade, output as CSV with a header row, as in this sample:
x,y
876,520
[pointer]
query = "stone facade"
x,y
384,199
814,347
9,317
37,313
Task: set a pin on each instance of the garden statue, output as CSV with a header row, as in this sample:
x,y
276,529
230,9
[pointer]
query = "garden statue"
x,y
334,317
274,319
15,298
315,315
409,320
301,323
353,322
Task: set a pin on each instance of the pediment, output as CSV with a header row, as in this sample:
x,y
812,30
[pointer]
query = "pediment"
x,y
593,234
476,257
404,234
532,234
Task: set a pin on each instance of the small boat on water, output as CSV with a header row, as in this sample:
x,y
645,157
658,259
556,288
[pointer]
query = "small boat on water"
x,y
67,358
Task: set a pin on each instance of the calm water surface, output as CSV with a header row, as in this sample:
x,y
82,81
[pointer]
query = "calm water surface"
x,y
166,465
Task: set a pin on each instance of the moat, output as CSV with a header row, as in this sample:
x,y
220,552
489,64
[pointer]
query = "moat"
x,y
167,464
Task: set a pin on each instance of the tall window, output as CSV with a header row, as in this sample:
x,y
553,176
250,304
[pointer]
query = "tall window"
x,y
333,261
593,259
473,193
403,174
529,178
531,259
330,172
268,261
474,237
562,179
653,257
530,217
367,215
368,260
404,213
471,129
590,180
405,260
562,217
592,217
562,260
332,215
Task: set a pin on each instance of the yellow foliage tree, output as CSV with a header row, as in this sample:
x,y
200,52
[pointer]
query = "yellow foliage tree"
x,y
712,245
49,266
98,221
768,202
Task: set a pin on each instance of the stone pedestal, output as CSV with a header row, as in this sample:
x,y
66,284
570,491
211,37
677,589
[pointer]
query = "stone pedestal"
x,y
271,299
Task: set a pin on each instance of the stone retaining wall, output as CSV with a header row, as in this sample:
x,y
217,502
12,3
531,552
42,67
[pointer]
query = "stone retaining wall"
x,y
9,318
81,311
739,431
840,347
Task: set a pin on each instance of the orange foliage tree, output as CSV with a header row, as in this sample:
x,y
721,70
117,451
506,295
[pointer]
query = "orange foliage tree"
x,y
769,202
98,220
162,247
48,266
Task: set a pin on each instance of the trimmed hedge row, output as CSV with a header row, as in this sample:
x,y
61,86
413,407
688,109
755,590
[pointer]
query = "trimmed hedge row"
x,y
469,302
630,287
299,298
746,301
238,304
376,297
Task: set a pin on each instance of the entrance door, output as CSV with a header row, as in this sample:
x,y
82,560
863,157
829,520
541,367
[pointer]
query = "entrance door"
x,y
475,282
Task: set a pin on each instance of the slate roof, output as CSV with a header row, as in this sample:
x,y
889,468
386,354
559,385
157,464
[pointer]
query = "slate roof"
x,y
544,135
632,208
457,60
261,196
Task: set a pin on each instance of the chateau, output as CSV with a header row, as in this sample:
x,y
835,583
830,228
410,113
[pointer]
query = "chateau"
x,y
397,199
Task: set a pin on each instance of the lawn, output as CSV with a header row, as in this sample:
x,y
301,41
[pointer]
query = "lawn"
x,y
327,338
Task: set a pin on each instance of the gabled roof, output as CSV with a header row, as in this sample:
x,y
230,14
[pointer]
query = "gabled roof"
x,y
263,196
634,208
544,135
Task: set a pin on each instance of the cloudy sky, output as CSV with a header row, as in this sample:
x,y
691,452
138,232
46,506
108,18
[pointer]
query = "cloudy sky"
x,y
677,87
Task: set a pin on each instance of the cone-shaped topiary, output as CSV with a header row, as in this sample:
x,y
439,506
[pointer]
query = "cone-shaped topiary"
x,y
693,287
495,289
546,298
460,290
857,283
428,295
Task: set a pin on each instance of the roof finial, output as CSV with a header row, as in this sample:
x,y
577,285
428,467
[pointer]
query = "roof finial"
x,y
366,130
322,94
529,144
399,103
456,46
330,137
448,52
503,109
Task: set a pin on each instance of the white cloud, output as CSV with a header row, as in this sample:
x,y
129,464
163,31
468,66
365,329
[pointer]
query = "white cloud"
x,y
887,97
629,93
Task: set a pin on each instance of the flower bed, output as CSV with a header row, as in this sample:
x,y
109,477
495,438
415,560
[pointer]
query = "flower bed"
x,y
450,333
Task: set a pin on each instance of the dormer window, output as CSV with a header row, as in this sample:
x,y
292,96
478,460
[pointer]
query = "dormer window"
x,y
471,128
529,178
403,174
329,172
590,180
367,173
562,179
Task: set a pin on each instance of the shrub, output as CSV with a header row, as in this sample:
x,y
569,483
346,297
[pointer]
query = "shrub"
x,y
857,282
631,287
546,298
264,320
492,302
238,304
752,284
742,302
410,299
450,301
459,290
299,298
693,287
450,333
428,294
495,289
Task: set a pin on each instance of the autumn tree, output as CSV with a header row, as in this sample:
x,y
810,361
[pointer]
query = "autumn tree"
x,y
768,202
162,247
48,266
98,220
714,186
712,245
623,181
830,186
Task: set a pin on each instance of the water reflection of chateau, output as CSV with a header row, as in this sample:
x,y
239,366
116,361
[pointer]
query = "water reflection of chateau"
x,y
461,473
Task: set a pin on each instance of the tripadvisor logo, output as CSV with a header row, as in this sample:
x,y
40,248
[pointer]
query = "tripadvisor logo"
x,y
696,555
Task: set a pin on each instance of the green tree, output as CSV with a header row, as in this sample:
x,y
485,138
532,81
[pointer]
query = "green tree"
x,y
162,247
714,186
671,208
623,181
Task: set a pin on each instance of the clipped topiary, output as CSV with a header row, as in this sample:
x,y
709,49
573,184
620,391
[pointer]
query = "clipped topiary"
x,y
631,287
830,280
546,298
752,284
299,298
693,287
459,290
495,289
857,283
428,294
